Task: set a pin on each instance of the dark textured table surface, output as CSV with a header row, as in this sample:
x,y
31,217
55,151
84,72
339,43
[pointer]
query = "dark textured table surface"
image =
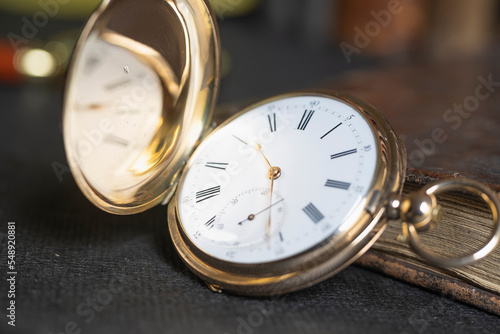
x,y
80,270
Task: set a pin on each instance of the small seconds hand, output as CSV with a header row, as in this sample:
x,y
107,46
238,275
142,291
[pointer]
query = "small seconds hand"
x,y
252,216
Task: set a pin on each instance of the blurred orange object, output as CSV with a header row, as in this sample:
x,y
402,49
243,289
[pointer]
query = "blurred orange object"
x,y
381,27
8,72
462,28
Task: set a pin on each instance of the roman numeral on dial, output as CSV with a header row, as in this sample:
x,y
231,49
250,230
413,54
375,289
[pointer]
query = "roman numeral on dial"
x,y
272,122
207,193
306,117
210,223
217,165
343,154
337,184
313,213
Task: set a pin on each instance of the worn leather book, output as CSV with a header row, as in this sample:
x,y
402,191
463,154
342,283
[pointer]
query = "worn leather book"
x,y
448,116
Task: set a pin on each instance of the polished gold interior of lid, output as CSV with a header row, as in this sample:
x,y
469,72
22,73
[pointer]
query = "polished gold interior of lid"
x,y
140,93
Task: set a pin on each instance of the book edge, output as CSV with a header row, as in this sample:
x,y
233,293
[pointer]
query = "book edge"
x,y
448,286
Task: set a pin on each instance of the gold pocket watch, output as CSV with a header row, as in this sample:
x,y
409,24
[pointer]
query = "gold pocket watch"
x,y
279,197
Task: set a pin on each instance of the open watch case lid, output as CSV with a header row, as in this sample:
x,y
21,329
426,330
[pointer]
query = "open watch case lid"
x,y
140,93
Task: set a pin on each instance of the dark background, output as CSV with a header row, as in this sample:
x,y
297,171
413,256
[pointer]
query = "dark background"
x,y
83,270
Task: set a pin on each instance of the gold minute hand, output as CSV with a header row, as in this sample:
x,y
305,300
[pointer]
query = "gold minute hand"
x,y
273,173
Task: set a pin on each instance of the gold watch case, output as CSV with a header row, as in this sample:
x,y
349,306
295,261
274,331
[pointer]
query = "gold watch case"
x,y
328,257
182,46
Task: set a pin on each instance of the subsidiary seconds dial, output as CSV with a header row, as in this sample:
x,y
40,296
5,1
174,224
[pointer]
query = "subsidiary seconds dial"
x,y
278,179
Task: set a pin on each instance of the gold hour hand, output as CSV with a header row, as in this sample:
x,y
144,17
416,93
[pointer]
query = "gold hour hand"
x,y
258,147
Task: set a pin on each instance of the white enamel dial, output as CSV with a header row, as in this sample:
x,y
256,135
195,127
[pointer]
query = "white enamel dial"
x,y
326,153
